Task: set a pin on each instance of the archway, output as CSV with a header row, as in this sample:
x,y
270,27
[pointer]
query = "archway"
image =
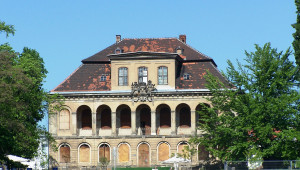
x,y
144,119
103,117
164,113
84,117
183,112
124,116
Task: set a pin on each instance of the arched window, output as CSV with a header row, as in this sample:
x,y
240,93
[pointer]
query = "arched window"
x,y
104,151
64,119
143,155
143,74
84,153
123,76
162,75
163,151
124,152
64,153
181,148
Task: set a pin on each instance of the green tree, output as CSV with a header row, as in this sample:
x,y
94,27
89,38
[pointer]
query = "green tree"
x,y
23,102
8,29
296,35
256,116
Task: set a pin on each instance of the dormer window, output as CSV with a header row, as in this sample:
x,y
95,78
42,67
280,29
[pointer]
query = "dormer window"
x,y
118,51
143,74
103,77
179,50
186,76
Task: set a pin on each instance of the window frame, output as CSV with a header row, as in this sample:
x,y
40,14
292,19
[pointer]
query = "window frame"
x,y
164,77
125,83
142,76
103,77
186,76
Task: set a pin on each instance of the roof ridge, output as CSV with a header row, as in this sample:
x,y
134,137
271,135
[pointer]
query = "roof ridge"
x,y
194,49
103,49
148,38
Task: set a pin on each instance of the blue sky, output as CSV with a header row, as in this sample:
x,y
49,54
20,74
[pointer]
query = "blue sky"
x,y
65,32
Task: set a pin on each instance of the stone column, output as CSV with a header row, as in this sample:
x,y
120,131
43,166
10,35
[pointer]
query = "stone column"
x,y
173,122
74,124
153,123
133,123
114,123
93,124
193,122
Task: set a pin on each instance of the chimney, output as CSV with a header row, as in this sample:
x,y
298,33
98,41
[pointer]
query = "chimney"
x,y
118,38
182,38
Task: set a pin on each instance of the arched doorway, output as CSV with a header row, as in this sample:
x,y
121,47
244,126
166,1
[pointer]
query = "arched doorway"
x,y
143,155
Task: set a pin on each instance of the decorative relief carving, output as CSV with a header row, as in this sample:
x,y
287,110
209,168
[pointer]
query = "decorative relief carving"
x,y
142,91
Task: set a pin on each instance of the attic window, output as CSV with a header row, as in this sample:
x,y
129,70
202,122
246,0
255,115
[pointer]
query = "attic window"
x,y
103,77
179,50
186,76
118,51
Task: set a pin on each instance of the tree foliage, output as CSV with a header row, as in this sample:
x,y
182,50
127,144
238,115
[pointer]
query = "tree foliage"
x,y
257,115
23,102
296,35
8,29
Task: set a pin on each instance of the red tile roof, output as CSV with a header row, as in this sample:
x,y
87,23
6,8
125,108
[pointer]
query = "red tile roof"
x,y
87,76
168,45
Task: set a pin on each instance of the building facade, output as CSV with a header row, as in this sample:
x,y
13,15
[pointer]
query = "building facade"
x,y
134,103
